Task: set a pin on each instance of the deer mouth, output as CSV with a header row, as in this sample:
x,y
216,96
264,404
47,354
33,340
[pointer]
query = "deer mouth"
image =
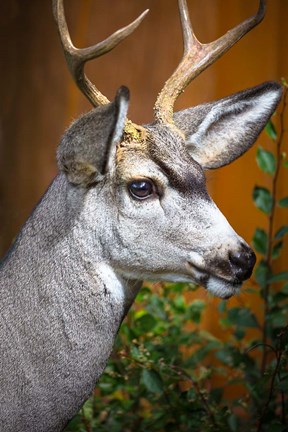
x,y
218,286
223,288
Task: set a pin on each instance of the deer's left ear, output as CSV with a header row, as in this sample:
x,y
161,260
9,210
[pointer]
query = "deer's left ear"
x,y
217,133
87,151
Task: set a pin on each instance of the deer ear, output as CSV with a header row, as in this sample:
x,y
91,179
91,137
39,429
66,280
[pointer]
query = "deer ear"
x,y
87,149
217,133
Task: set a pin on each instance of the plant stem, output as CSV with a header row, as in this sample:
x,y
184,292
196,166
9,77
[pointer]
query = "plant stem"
x,y
276,373
283,404
265,409
268,259
201,396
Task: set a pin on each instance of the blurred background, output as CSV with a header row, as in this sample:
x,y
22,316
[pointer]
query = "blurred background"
x,y
39,99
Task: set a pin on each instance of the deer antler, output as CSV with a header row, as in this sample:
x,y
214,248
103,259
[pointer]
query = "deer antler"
x,y
76,58
196,58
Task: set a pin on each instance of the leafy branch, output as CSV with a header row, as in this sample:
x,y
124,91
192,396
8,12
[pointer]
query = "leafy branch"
x,y
276,374
273,168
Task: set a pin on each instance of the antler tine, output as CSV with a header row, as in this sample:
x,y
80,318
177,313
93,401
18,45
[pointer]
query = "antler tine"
x,y
197,57
76,58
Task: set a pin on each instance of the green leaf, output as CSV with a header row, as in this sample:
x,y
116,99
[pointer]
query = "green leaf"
x,y
277,427
260,241
277,317
283,384
261,274
266,161
242,317
222,306
195,310
276,250
262,199
180,303
146,322
152,381
271,130
282,276
143,294
233,422
281,232
239,333
177,287
283,202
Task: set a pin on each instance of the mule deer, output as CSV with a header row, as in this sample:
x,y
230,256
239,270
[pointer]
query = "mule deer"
x,y
129,203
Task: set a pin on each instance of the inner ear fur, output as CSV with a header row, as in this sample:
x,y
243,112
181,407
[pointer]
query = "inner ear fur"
x,y
86,145
217,133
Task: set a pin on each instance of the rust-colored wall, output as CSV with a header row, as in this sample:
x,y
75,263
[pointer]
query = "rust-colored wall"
x,y
39,99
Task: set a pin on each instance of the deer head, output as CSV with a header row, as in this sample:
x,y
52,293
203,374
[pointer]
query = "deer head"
x,y
157,220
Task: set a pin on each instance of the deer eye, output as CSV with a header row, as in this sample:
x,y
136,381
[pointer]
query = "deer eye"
x,y
141,189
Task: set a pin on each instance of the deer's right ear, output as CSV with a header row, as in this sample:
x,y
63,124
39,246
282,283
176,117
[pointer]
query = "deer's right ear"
x,y
88,148
217,133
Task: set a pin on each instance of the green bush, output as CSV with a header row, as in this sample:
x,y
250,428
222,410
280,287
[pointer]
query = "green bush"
x,y
164,371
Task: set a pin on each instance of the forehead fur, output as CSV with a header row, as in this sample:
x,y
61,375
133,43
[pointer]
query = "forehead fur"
x,y
129,155
166,150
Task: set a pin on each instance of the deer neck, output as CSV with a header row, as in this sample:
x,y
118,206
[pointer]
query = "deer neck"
x,y
61,258
65,308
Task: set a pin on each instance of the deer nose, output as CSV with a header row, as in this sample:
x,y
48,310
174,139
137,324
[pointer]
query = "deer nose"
x,y
242,262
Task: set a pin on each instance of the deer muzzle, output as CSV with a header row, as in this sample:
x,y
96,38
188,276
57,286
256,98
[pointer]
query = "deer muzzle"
x,y
223,276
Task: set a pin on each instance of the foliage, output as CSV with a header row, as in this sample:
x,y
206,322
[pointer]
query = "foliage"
x,y
168,374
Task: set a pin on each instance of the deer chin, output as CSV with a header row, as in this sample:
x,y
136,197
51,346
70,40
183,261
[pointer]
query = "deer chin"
x,y
222,288
217,286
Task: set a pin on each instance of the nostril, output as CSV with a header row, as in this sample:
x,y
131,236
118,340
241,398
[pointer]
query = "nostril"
x,y
237,258
242,263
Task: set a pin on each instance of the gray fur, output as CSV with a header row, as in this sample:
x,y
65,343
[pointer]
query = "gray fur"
x,y
78,262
